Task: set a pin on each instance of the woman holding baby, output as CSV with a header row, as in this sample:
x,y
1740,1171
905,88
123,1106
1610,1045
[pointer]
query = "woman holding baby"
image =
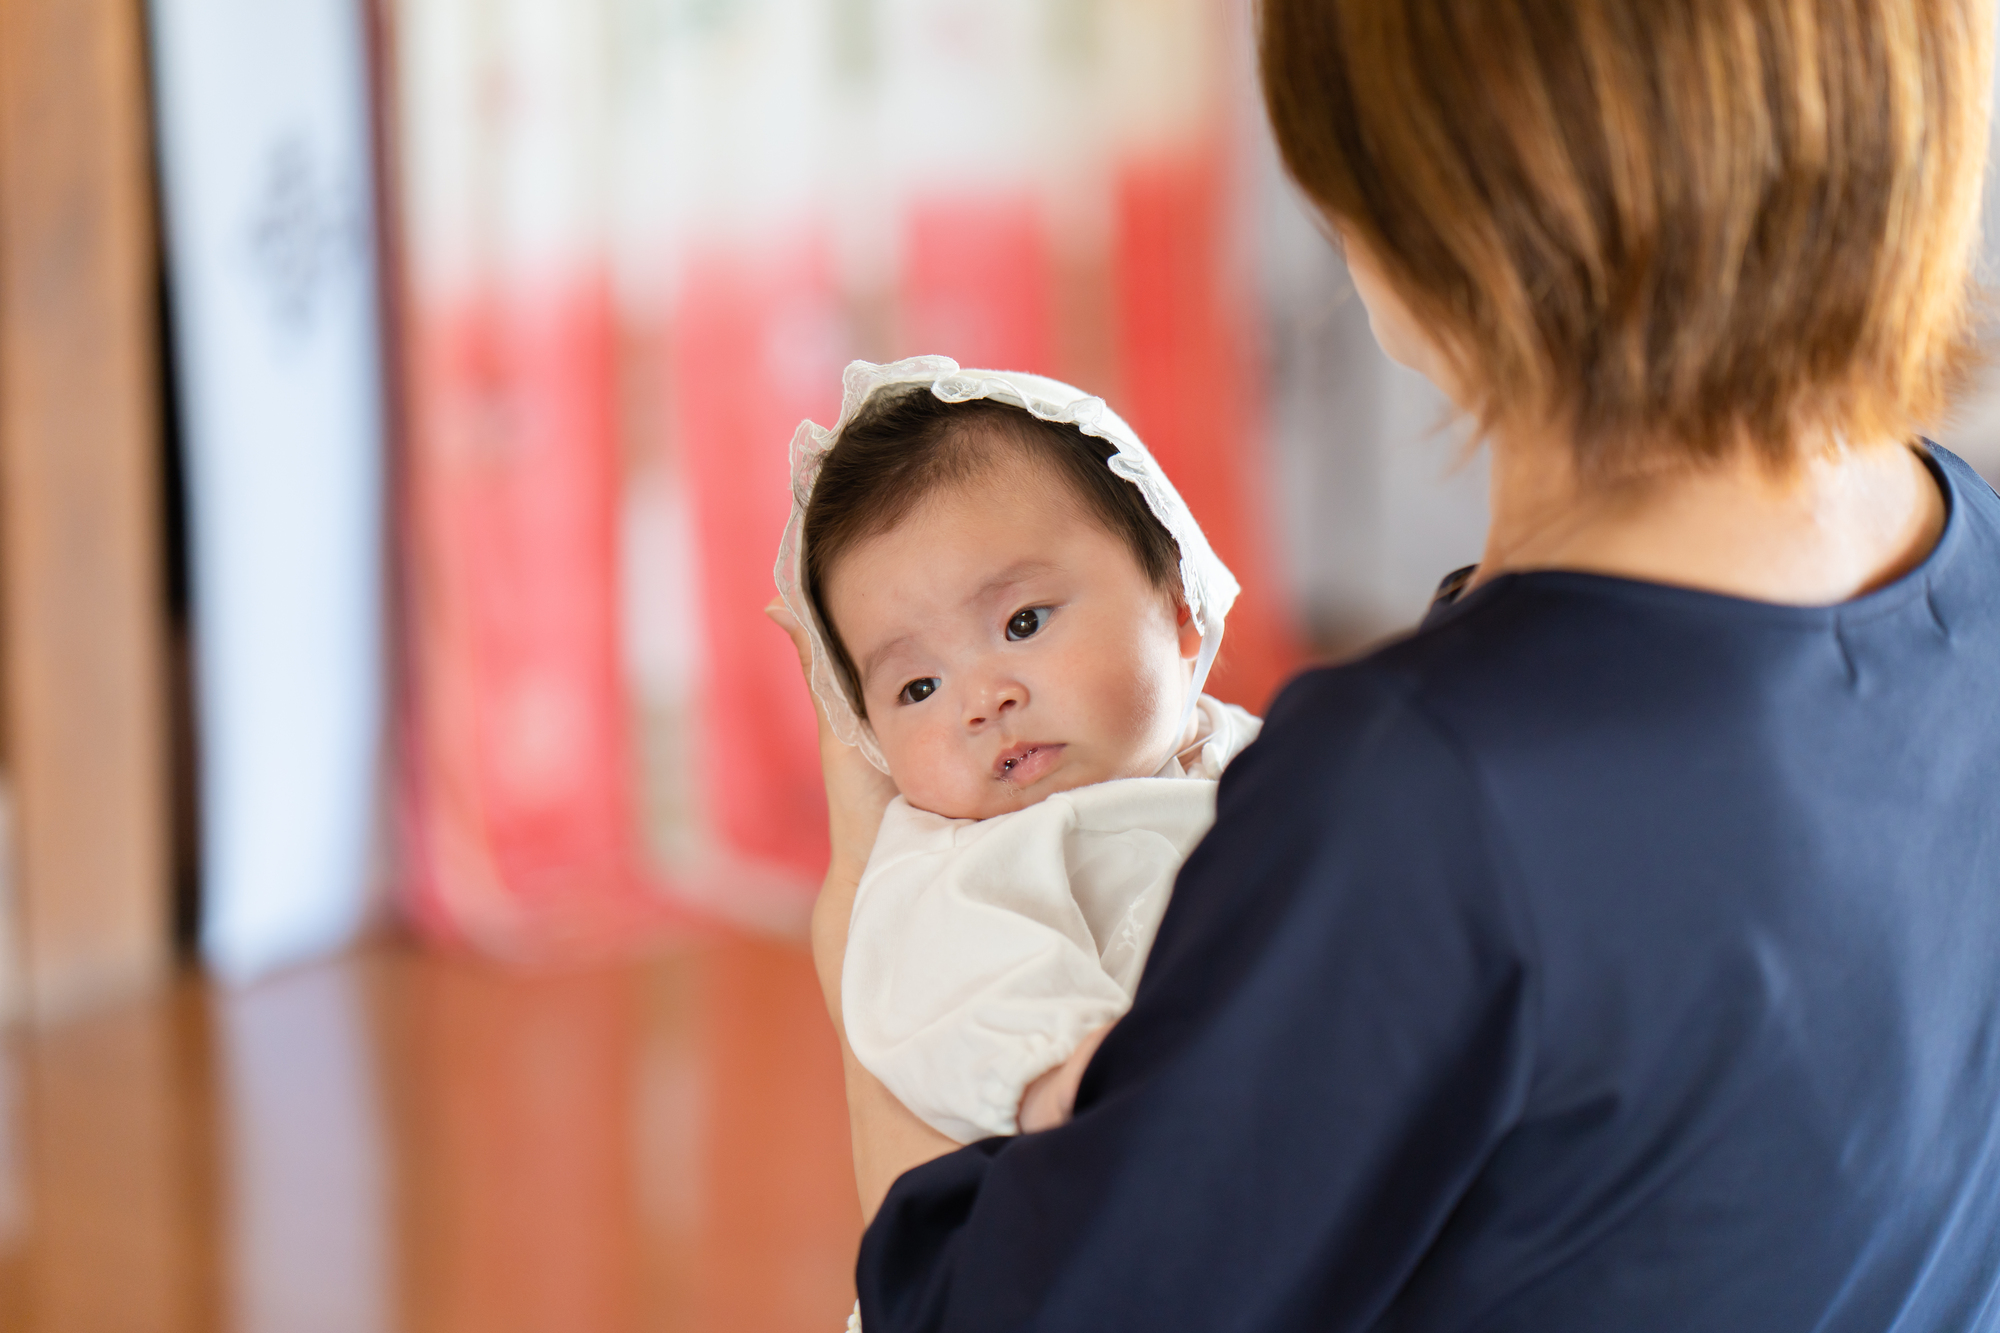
x,y
1621,949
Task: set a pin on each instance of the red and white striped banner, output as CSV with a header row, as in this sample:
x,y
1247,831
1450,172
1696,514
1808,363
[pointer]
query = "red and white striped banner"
x,y
642,240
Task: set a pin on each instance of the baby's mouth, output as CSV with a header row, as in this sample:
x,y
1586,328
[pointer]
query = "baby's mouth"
x,y
1025,764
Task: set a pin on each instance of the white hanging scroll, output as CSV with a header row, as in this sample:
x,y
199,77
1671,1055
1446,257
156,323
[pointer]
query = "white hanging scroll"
x,y
264,147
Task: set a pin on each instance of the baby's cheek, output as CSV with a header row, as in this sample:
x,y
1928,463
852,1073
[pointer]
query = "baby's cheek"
x,y
930,772
1125,685
1131,695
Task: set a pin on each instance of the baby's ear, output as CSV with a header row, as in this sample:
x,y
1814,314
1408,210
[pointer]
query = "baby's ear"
x,y
1190,632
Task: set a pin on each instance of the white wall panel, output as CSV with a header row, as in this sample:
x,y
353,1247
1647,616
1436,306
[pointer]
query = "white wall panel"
x,y
263,128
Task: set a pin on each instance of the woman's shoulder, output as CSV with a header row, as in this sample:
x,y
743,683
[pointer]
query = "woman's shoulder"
x,y
1356,736
1572,659
1329,711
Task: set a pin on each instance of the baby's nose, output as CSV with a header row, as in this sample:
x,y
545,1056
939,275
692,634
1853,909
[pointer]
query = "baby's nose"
x,y
994,703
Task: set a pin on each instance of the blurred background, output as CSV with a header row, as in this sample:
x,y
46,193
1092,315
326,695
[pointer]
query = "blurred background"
x,y
408,819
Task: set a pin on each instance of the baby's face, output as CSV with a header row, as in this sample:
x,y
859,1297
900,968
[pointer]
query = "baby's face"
x,y
1010,648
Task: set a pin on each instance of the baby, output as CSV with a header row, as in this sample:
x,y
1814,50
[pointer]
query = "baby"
x,y
1011,613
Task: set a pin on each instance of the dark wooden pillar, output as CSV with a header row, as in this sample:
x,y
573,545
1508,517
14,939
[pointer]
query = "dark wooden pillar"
x,y
81,596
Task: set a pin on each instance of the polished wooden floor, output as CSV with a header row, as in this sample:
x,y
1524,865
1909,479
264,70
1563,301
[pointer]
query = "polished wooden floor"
x,y
406,1143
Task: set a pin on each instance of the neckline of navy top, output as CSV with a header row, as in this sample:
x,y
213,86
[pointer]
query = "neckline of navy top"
x,y
1453,599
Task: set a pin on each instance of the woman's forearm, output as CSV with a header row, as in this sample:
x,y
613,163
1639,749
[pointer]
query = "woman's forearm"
x,y
887,1136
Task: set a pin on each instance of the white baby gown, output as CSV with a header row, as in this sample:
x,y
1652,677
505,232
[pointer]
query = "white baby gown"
x,y
982,951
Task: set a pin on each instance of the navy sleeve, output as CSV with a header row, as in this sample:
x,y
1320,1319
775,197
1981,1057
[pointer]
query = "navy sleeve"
x,y
1335,1029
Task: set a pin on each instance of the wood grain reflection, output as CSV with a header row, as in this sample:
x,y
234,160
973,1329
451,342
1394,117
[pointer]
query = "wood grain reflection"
x,y
427,1144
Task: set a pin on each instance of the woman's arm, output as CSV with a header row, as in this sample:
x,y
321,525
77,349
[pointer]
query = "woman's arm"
x,y
888,1137
1330,1038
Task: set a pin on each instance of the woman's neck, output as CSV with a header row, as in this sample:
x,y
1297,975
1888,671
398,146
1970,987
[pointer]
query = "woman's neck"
x,y
1836,527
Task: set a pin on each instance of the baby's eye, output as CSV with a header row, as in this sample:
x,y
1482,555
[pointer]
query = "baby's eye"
x,y
918,690
1025,623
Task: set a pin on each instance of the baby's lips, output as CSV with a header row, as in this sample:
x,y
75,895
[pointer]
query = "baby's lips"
x,y
1027,763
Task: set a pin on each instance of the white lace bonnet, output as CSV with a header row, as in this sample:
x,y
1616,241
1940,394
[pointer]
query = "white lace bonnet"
x,y
1208,586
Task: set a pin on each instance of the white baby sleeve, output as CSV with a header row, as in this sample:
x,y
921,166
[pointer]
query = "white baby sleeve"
x,y
970,967
1126,842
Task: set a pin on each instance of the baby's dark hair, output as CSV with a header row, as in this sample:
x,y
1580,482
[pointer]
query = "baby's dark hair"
x,y
907,444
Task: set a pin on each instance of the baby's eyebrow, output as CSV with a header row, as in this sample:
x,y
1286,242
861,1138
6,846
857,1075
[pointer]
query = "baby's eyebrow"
x,y
874,659
1017,572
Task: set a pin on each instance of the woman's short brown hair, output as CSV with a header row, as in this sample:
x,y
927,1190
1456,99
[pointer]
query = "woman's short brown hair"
x,y
1679,226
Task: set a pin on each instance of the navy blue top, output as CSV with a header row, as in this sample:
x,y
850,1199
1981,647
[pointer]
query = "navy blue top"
x,y
1605,956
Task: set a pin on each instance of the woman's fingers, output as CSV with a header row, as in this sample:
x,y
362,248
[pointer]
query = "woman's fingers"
x,y
856,791
1041,1104
781,616
1051,1099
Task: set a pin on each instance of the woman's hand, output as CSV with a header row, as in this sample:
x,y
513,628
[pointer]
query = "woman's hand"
x,y
1051,1099
888,1138
856,791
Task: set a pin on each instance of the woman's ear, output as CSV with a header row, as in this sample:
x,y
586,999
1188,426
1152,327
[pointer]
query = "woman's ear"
x,y
1190,633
